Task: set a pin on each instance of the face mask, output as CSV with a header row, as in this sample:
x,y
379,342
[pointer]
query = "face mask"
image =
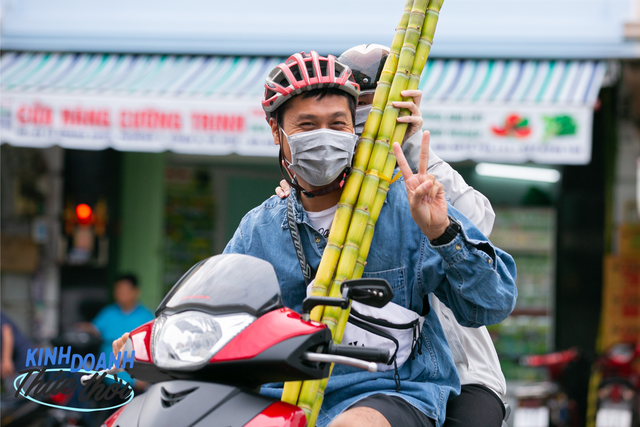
x,y
362,113
320,156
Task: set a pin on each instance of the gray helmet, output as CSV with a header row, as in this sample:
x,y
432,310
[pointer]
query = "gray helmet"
x,y
366,62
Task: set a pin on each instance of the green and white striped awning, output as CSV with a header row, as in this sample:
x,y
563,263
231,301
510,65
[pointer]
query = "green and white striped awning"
x,y
134,75
561,82
211,104
518,82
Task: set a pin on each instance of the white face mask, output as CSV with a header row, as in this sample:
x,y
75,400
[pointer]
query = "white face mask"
x,y
319,156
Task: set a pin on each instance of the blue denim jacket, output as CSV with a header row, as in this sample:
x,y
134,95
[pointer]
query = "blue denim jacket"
x,y
472,277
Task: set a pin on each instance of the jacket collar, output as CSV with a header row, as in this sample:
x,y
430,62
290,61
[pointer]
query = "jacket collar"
x,y
299,212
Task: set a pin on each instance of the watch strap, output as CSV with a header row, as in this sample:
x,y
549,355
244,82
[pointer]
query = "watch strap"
x,y
449,234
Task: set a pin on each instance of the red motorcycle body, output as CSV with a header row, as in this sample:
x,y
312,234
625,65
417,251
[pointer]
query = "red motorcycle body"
x,y
221,390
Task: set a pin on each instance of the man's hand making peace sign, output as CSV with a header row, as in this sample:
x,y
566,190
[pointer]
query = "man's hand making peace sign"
x,y
425,193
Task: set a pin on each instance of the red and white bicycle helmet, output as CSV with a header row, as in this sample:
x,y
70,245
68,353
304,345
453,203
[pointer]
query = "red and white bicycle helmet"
x,y
304,72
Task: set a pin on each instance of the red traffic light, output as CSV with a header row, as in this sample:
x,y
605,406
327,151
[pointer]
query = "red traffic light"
x,y
83,212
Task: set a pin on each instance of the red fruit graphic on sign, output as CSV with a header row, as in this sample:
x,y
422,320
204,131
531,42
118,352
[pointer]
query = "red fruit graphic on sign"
x,y
522,132
512,121
514,126
499,131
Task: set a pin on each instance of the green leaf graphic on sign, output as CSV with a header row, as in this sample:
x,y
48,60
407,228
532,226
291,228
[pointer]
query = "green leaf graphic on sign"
x,y
562,125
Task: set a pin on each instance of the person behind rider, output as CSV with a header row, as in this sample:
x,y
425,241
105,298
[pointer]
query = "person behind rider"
x,y
475,357
421,245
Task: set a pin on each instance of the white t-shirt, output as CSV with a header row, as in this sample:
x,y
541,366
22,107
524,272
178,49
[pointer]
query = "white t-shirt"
x,y
322,220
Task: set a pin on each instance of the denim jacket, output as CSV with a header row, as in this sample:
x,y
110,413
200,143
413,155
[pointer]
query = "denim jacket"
x,y
469,275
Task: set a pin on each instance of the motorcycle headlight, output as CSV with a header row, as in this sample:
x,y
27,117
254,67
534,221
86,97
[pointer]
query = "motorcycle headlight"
x,y
188,340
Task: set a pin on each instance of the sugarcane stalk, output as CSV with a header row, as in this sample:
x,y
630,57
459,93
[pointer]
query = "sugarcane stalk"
x,y
422,53
317,403
341,221
377,161
342,218
370,198
336,318
383,88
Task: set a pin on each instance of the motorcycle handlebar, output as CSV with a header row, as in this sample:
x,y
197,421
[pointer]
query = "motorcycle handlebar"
x,y
370,354
85,378
342,360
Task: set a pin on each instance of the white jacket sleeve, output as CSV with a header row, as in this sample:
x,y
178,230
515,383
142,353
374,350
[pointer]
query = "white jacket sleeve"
x,y
473,204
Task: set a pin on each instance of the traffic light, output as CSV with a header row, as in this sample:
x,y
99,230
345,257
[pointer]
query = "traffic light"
x,y
83,214
84,240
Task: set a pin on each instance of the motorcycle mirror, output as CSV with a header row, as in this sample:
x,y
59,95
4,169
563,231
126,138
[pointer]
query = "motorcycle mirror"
x,y
310,302
372,292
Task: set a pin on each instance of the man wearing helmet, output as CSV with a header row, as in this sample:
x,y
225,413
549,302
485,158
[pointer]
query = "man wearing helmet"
x,y
421,245
476,360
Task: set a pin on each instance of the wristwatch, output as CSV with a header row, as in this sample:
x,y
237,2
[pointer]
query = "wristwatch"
x,y
449,234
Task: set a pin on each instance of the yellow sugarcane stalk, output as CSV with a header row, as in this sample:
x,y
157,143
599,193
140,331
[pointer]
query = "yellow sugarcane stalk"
x,y
357,238
366,199
341,221
422,53
415,49
339,227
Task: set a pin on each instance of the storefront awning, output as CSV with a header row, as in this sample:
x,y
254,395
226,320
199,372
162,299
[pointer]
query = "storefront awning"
x,y
498,110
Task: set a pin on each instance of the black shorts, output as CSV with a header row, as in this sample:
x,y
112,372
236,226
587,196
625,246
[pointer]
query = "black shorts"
x,y
475,406
396,410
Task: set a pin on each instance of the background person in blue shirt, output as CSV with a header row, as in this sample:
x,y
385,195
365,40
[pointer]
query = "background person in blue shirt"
x,y
124,315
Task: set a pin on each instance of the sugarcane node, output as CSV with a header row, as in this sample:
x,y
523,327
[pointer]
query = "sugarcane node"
x,y
329,321
353,245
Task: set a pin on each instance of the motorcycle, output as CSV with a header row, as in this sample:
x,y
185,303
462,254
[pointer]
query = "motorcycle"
x,y
221,333
18,411
618,400
547,404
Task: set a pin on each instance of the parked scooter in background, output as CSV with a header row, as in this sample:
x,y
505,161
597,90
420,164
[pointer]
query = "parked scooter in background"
x,y
549,403
617,396
17,412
